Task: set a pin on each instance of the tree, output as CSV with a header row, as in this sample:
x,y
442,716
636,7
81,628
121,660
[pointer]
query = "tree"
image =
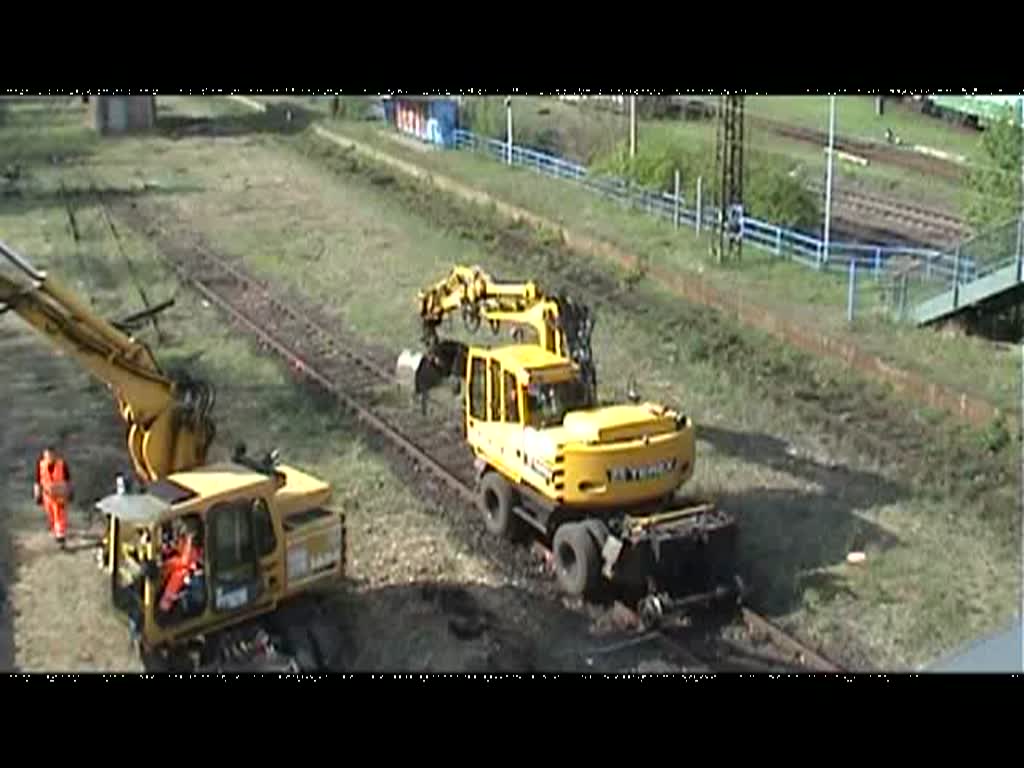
x,y
994,184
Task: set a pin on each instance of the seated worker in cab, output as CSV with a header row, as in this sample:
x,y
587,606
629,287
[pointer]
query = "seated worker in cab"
x,y
182,569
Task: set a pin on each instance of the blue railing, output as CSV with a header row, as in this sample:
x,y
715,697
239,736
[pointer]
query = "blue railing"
x,y
937,268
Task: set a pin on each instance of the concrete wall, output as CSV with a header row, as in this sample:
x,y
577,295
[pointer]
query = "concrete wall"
x,y
115,115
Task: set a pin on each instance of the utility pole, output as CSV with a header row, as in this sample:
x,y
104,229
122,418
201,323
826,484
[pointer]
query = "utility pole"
x,y
508,111
828,172
632,126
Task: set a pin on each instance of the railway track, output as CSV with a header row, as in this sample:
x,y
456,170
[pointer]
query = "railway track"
x,y
878,152
362,381
883,154
914,220
879,212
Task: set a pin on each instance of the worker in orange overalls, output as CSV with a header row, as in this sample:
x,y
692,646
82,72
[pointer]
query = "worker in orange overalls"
x,y
52,491
184,559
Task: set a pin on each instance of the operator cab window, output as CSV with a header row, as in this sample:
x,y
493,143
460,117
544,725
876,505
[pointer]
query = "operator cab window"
x,y
129,580
495,390
547,404
478,388
511,398
236,544
263,528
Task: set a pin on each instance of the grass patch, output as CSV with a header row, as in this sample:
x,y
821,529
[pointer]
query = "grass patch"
x,y
915,471
395,540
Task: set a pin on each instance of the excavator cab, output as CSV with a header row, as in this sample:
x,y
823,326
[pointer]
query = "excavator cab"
x,y
215,547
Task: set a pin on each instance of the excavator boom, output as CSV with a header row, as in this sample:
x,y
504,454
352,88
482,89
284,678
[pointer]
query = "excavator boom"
x,y
561,326
169,428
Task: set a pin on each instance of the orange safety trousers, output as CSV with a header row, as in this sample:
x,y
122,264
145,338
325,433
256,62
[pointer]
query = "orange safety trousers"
x,y
54,503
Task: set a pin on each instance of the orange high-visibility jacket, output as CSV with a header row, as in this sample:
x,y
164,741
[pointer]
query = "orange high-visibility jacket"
x,y
177,568
53,479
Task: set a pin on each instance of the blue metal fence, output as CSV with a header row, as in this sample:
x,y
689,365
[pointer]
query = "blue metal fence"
x,y
937,269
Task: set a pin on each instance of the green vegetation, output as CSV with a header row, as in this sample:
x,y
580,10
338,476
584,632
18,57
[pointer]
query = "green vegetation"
x,y
818,300
729,375
816,462
771,193
994,184
393,541
588,134
856,118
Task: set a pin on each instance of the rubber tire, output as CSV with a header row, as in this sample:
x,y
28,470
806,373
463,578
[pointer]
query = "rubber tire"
x,y
577,560
497,498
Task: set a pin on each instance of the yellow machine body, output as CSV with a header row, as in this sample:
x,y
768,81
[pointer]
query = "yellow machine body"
x,y
265,537
526,417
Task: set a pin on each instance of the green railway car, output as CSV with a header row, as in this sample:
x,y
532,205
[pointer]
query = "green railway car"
x,y
974,110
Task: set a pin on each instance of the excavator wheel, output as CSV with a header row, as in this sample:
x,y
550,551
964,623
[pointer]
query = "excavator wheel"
x,y
577,560
497,500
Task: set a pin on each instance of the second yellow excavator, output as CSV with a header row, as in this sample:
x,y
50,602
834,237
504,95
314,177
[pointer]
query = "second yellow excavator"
x,y
599,481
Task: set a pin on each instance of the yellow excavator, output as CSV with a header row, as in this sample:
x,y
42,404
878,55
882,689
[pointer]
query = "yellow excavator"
x,y
598,481
258,532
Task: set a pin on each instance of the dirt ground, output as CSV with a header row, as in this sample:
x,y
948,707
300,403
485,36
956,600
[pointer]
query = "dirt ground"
x,y
51,617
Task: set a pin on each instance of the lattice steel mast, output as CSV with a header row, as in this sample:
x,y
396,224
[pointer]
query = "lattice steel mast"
x,y
727,244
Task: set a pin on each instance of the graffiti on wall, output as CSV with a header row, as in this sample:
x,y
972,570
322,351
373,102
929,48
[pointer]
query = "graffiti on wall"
x,y
414,119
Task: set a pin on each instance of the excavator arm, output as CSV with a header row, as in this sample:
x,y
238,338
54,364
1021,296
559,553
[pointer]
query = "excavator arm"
x,y
169,426
562,326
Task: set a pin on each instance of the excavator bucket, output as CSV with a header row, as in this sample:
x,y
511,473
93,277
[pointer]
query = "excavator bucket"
x,y
417,373
407,372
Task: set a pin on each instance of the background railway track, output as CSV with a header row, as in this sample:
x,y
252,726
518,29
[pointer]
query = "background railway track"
x,y
914,221
361,379
876,152
705,108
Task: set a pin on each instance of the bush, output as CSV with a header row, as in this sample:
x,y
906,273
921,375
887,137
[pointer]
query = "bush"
x,y
484,116
993,184
576,137
354,107
775,196
770,192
